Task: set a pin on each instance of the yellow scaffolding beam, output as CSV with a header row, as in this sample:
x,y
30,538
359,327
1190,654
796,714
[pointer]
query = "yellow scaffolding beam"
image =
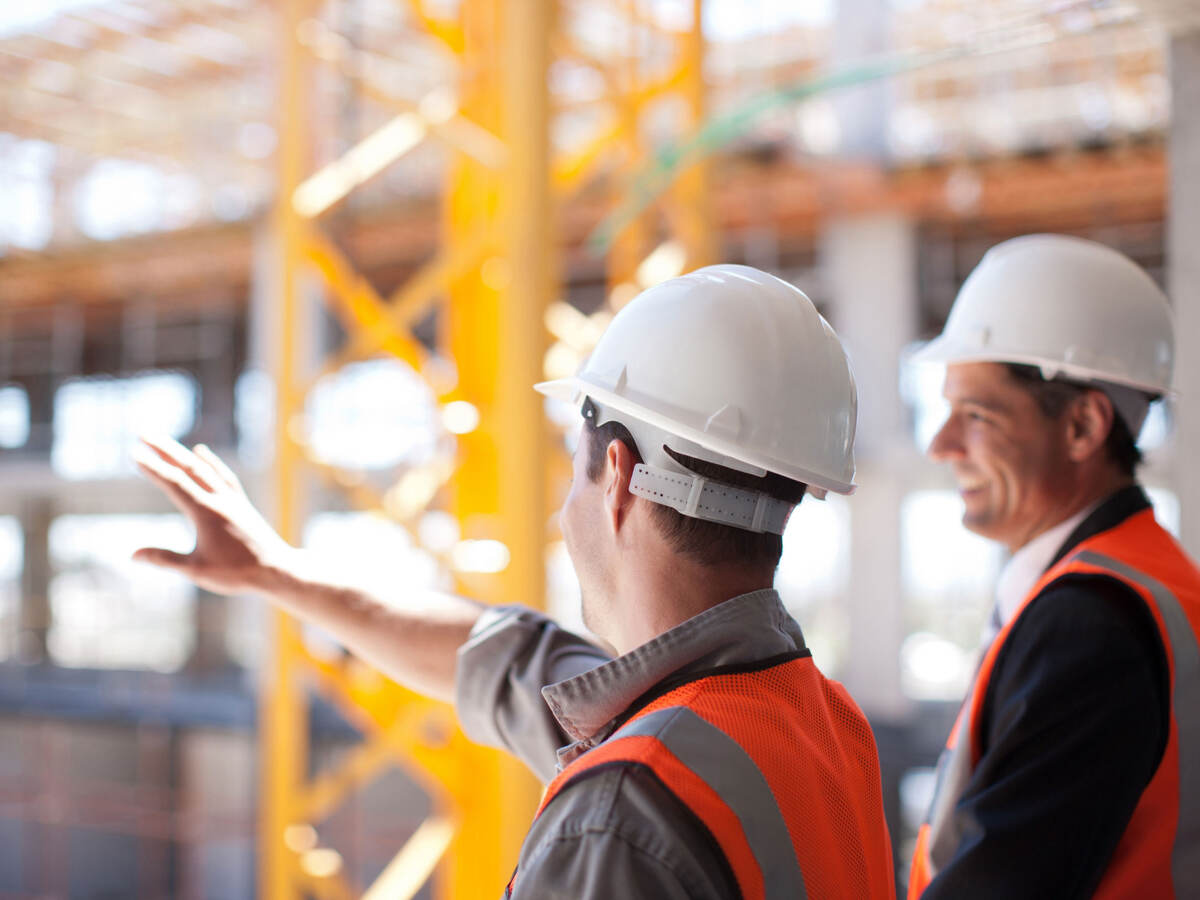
x,y
494,276
282,716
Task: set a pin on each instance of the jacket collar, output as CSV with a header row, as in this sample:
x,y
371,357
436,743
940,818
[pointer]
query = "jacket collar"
x,y
744,630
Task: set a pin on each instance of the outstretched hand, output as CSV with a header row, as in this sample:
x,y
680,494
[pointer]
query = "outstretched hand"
x,y
236,549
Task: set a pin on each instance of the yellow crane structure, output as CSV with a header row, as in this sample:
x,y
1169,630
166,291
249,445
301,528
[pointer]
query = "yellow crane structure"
x,y
493,280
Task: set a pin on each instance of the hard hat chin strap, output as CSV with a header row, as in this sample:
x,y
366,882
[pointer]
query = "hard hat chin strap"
x,y
701,498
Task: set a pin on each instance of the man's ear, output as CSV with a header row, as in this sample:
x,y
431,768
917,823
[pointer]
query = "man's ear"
x,y
1089,420
618,470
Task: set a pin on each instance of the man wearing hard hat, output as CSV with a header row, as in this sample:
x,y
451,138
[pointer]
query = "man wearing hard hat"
x,y
709,758
1074,767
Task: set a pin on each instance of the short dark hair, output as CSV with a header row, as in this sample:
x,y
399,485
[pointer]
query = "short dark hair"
x,y
700,540
1055,394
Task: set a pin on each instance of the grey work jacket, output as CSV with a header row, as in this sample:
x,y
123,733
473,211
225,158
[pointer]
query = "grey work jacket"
x,y
547,695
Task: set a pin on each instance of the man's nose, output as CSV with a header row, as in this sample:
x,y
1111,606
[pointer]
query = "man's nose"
x,y
946,443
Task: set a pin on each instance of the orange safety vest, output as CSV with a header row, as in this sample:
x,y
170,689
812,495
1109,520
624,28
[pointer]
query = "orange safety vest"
x,y
1158,856
780,765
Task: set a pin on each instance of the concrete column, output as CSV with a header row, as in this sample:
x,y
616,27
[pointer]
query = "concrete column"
x,y
870,270
862,32
870,267
1183,274
211,617
34,619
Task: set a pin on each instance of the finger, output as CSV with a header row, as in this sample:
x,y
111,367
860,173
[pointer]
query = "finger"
x,y
167,559
181,491
217,464
174,453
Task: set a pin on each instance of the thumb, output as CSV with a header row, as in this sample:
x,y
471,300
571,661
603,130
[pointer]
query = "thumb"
x,y
168,559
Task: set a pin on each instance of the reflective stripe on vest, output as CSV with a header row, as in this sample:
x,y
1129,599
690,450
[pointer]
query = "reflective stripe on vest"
x,y
1144,864
721,763
1185,697
779,766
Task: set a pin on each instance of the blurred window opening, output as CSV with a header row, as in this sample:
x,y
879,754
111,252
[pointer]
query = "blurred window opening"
x,y
12,553
118,197
26,215
14,416
948,577
109,612
97,420
254,416
813,576
373,415
382,556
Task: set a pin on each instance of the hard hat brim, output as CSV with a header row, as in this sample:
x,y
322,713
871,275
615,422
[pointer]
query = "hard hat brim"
x,y
564,389
572,389
945,350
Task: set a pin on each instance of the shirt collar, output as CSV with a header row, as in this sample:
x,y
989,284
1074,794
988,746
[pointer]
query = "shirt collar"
x,y
745,629
1029,563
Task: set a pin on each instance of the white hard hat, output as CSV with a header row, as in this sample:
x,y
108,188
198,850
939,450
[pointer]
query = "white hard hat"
x,y
731,365
1071,307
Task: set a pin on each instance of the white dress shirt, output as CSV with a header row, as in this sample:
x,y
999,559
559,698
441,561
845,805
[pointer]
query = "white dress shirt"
x,y
1023,570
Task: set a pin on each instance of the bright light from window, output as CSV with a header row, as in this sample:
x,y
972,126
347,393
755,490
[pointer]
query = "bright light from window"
x,y
930,665
438,531
1166,508
373,546
119,197
14,416
12,551
254,414
371,551
460,417
373,415
813,574
736,19
562,589
26,215
916,793
110,612
948,578
97,420
1157,427
921,388
484,556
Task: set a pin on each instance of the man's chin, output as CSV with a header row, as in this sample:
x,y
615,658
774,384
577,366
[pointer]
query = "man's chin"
x,y
979,523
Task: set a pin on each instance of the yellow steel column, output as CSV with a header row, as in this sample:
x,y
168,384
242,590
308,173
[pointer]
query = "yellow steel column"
x,y
526,214
282,715
526,218
693,191
493,330
632,243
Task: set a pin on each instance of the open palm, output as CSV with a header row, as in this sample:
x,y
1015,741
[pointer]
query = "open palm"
x,y
236,549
